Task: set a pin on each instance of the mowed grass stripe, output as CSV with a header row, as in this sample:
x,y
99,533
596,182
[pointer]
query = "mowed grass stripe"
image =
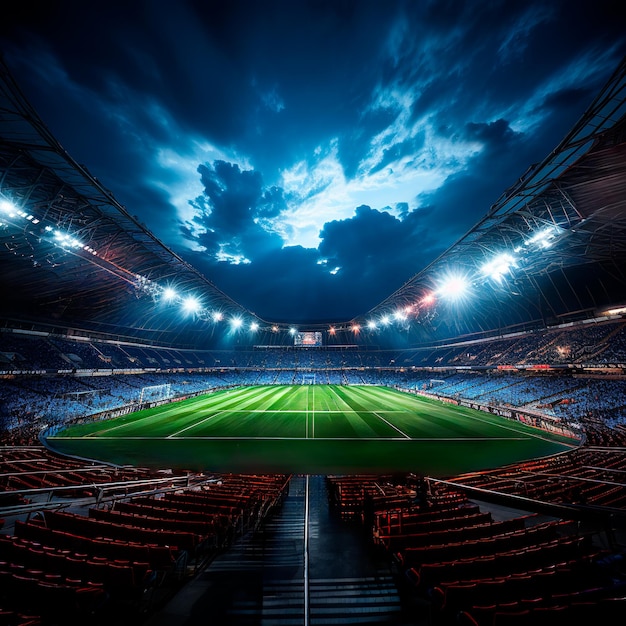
x,y
166,419
444,419
281,411
328,400
165,425
174,411
358,419
261,428
495,424
260,419
439,421
244,399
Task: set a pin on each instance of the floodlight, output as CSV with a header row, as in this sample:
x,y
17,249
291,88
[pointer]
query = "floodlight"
x,y
218,316
7,207
498,266
191,304
429,298
371,325
454,287
292,331
236,322
355,328
400,315
66,240
543,238
384,320
274,328
254,327
169,293
331,330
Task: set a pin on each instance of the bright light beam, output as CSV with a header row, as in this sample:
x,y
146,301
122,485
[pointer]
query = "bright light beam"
x,y
169,294
191,304
499,266
454,287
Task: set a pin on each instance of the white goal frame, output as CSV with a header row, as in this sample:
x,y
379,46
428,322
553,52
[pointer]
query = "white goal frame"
x,y
154,393
308,379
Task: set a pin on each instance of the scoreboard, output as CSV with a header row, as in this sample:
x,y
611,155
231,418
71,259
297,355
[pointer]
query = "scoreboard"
x,y
308,339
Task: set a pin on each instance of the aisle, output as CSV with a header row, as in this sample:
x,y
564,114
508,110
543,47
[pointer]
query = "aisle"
x,y
347,585
259,580
262,581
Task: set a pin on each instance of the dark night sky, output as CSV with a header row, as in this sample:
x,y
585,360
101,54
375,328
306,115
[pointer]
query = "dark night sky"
x,y
310,157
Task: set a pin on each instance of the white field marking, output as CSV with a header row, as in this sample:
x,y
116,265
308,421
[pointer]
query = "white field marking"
x,y
306,415
380,417
373,413
531,435
205,438
107,430
313,416
306,553
172,410
206,419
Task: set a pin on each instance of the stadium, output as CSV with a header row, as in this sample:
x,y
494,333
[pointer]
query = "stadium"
x,y
171,457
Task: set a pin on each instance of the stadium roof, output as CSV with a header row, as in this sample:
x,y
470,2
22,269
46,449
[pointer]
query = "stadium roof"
x,y
553,246
73,256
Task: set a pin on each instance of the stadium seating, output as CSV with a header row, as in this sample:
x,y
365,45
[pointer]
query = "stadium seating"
x,y
117,556
511,571
444,544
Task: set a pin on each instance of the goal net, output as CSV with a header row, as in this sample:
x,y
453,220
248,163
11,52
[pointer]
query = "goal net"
x,y
155,392
308,379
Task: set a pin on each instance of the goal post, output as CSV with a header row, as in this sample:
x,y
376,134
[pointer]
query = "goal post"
x,y
154,393
308,379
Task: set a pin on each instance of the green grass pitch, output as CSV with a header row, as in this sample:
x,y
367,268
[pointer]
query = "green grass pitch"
x,y
316,429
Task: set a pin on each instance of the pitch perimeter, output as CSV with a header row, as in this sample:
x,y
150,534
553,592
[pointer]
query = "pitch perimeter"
x,y
310,429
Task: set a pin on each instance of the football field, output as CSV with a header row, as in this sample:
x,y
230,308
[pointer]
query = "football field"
x,y
316,429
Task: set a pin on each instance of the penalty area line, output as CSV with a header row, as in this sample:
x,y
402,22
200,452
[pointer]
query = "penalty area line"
x,y
206,419
380,417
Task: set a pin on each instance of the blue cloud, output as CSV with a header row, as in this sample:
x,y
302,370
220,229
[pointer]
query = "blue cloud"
x,y
228,222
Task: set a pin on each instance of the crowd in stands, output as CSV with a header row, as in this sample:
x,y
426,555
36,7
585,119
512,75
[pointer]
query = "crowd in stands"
x,y
58,381
57,399
598,343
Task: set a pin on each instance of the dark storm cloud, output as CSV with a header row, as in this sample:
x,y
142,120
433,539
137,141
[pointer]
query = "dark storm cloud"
x,y
231,210
288,283
361,244
458,204
376,250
